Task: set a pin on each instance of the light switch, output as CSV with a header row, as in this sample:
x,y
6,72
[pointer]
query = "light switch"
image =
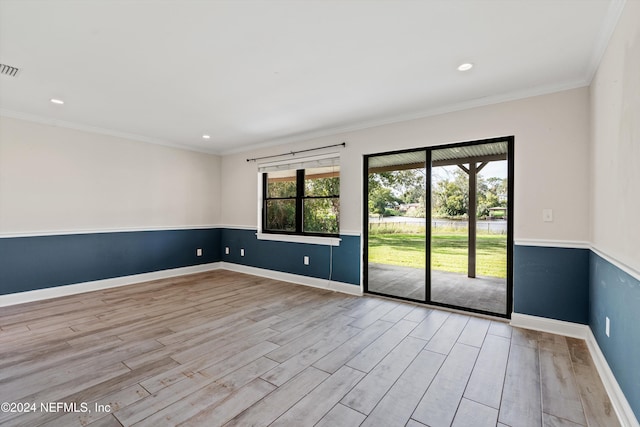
x,y
547,215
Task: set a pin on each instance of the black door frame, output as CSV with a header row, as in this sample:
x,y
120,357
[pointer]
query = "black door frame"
x,y
365,223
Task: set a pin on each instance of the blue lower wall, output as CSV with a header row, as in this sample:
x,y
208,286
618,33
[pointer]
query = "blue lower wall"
x,y
615,294
29,263
551,282
287,257
548,282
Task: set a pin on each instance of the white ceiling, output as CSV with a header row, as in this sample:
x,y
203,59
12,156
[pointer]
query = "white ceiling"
x,y
252,73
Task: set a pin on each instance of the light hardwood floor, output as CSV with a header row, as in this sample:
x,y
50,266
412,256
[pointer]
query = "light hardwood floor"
x,y
224,348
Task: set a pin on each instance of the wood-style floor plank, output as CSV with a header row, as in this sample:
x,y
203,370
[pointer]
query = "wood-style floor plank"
x,y
428,327
438,406
487,379
475,331
397,313
228,348
190,405
323,331
521,403
366,395
500,328
341,355
444,340
378,350
374,314
315,405
341,416
298,363
398,404
418,314
280,400
560,395
525,337
220,413
208,367
553,421
474,414
597,405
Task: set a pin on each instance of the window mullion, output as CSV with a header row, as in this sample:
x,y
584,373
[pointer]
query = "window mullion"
x,y
299,197
265,196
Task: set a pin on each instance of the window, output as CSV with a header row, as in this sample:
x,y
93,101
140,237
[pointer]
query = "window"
x,y
303,201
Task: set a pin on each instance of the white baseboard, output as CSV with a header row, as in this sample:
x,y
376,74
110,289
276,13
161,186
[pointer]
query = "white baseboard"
x,y
620,404
618,400
78,288
568,329
295,278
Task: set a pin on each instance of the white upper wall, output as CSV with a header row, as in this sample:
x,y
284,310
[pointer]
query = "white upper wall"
x,y
551,162
615,148
55,179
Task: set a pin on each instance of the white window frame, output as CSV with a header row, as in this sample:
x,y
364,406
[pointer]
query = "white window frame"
x,y
293,164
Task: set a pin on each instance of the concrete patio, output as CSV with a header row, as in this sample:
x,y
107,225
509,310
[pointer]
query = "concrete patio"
x,y
482,293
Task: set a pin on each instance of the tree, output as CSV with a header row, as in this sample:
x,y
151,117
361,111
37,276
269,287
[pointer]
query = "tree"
x,y
489,194
379,199
393,187
322,215
451,196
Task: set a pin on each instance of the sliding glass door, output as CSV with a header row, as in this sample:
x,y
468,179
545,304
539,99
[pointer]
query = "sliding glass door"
x,y
396,223
439,225
469,194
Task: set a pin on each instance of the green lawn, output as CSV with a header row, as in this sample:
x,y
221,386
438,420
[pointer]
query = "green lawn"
x,y
449,252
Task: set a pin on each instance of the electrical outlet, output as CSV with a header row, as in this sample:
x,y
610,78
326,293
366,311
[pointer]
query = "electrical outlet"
x,y
226,251
198,252
306,260
607,326
241,252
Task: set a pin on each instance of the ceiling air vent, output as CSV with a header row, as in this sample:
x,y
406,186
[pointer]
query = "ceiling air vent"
x,y
8,70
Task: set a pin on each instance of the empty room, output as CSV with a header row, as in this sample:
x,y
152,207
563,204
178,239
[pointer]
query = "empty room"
x,y
320,213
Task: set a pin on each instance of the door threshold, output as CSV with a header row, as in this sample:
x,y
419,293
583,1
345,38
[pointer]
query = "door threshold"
x,y
483,315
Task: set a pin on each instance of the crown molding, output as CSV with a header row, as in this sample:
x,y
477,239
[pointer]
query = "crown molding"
x,y
606,31
416,115
97,130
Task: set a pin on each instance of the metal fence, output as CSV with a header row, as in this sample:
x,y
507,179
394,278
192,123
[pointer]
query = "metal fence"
x,y
483,226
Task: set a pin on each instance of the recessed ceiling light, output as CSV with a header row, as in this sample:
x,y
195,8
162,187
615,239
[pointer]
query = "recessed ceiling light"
x,y
57,101
465,67
206,136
